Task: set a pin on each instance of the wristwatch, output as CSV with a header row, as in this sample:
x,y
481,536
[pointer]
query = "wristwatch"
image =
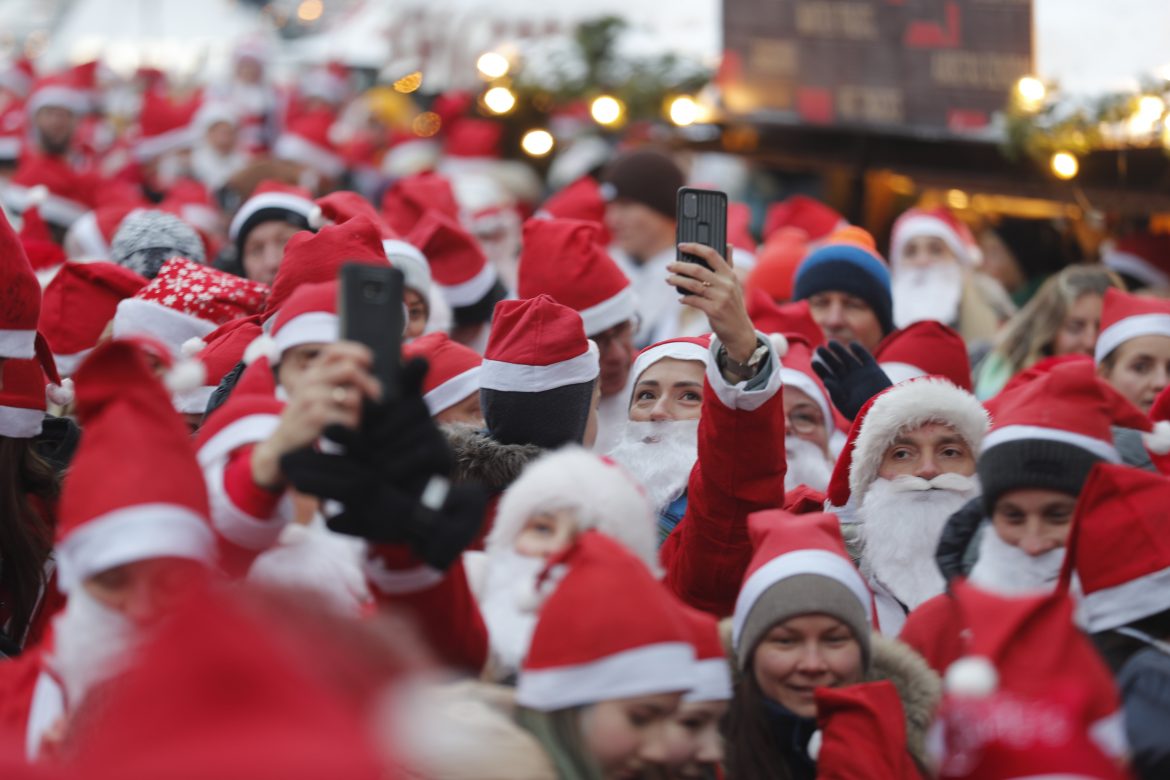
x,y
742,371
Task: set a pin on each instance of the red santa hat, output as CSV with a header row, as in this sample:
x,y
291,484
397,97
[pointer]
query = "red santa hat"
x,y
452,370
564,258
711,680
537,344
187,300
251,414
219,353
318,257
608,631
458,265
1125,316
44,254
307,141
797,372
405,202
113,516
18,76
599,493
771,317
51,183
1119,547
219,693
862,733
59,90
1023,655
938,223
777,261
94,231
271,200
926,348
1141,256
739,235
903,407
164,125
309,316
79,303
22,399
580,200
683,348
468,137
787,550
817,220
21,305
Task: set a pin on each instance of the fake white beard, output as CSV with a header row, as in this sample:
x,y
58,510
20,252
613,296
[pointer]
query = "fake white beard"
x,y
930,293
1009,571
660,455
901,521
509,589
807,464
91,644
311,557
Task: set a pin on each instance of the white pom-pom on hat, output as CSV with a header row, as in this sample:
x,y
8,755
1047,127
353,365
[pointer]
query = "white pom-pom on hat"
x,y
1157,441
316,218
972,676
62,394
263,346
193,346
814,744
185,375
779,343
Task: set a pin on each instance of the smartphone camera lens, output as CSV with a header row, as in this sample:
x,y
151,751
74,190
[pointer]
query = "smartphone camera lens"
x,y
690,205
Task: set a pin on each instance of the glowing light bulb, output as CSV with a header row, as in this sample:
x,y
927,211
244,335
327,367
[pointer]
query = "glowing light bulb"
x,y
537,143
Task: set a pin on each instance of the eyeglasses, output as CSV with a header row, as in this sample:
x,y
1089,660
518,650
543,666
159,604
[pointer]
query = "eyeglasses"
x,y
804,420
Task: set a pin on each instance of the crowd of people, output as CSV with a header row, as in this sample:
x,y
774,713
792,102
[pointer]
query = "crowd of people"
x,y
801,510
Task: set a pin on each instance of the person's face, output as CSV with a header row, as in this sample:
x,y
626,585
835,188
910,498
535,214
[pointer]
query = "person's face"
x,y
1140,369
295,363
922,251
926,452
546,534
802,654
804,419
845,318
1082,323
222,137
144,590
594,421
637,229
999,263
628,736
616,346
249,71
264,249
55,126
416,313
467,411
669,389
1035,521
693,743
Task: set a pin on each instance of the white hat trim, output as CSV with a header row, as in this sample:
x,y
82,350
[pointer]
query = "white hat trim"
x,y
18,344
413,264
269,200
520,378
675,350
900,372
314,327
905,407
157,145
1132,600
664,667
1135,266
67,364
140,317
927,225
133,533
60,96
193,401
246,430
290,146
1102,449
710,681
471,291
618,308
59,210
452,391
1130,328
804,383
782,567
17,423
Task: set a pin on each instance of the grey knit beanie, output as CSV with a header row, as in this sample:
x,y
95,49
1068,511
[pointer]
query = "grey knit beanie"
x,y
147,238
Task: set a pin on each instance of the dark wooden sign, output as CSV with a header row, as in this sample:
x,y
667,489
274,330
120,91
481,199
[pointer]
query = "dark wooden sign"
x,y
937,64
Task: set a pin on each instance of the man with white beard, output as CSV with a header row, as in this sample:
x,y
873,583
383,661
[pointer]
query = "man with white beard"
x,y
1047,437
909,465
132,541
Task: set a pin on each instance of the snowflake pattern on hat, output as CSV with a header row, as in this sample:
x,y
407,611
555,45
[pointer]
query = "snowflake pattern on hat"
x,y
204,292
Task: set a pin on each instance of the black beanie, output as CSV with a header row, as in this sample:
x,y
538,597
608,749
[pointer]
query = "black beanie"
x,y
548,419
1033,464
644,176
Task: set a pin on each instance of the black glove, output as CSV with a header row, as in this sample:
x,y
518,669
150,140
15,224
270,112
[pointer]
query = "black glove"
x,y
851,376
954,545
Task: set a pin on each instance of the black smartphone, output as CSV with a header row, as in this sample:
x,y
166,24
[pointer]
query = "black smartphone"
x,y
702,219
370,309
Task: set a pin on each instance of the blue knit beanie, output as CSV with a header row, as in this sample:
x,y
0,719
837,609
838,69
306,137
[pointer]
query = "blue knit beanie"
x,y
852,269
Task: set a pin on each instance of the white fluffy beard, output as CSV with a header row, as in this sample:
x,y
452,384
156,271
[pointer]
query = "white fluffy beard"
x,y
91,644
807,464
1009,571
930,293
901,521
660,455
505,602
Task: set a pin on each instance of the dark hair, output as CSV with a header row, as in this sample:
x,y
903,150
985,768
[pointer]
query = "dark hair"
x,y
751,749
1117,648
26,537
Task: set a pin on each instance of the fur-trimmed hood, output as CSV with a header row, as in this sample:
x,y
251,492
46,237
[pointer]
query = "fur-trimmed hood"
x,y
480,458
